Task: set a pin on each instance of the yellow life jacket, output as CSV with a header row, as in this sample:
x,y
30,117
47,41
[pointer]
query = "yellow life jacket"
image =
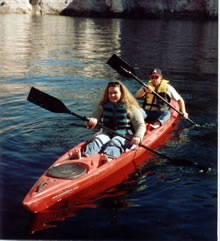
x,y
152,102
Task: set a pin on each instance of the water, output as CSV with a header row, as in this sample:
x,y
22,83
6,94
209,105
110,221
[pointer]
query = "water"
x,y
66,57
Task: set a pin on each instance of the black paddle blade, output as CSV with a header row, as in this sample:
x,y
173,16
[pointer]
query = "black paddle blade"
x,y
46,101
121,66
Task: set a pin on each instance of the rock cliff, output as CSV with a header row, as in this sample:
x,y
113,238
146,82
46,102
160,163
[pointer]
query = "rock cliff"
x,y
115,8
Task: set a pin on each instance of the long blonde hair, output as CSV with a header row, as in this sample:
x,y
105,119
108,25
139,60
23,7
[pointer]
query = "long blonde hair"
x,y
126,95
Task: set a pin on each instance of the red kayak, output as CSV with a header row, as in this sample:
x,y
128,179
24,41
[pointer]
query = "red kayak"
x,y
81,178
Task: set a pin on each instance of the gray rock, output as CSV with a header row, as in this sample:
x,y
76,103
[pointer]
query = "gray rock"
x,y
114,8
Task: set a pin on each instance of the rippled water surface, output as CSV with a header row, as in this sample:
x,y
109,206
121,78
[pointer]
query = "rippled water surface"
x,y
66,57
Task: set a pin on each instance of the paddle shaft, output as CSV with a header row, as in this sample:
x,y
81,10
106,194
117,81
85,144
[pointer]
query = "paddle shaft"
x,y
84,118
185,162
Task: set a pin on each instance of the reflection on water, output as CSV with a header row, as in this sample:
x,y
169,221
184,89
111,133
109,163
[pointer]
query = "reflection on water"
x,y
27,47
172,45
113,198
47,220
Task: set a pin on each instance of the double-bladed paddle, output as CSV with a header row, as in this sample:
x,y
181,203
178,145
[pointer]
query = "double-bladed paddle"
x,y
125,69
53,104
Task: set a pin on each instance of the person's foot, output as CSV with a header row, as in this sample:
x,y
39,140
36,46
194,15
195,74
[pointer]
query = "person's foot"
x,y
74,154
105,158
155,124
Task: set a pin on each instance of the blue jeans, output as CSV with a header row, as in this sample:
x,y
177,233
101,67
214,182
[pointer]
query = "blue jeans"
x,y
151,116
112,147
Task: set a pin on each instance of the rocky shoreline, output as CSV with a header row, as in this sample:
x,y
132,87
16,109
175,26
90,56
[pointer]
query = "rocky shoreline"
x,y
196,9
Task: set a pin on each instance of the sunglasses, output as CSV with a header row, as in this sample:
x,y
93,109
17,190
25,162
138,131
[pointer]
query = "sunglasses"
x,y
154,76
113,83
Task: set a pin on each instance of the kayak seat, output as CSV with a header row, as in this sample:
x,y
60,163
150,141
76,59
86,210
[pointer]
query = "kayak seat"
x,y
68,171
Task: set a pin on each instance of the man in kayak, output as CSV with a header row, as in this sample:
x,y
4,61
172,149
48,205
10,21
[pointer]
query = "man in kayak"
x,y
119,111
156,111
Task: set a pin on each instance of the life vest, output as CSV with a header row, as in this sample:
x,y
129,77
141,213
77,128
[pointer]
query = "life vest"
x,y
116,118
154,103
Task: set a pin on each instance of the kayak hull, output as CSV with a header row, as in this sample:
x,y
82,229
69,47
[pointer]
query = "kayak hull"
x,y
95,175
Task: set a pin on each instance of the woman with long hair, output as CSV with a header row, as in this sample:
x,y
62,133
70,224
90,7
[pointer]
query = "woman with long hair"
x,y
119,111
